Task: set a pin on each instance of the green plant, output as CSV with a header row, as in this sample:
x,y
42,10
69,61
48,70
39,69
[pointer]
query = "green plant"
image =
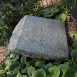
x,y
12,12
54,13
75,40
30,70
3,35
65,8
57,13
51,12
20,66
40,72
2,71
60,12
61,17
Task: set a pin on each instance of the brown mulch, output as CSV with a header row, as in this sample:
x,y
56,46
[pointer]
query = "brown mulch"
x,y
2,53
71,28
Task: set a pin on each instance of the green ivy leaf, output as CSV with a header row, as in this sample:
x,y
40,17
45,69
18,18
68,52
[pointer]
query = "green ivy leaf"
x,y
58,17
19,75
2,72
56,73
75,40
61,17
9,74
23,70
54,70
75,66
74,54
40,63
75,74
70,73
48,65
49,75
16,71
30,70
6,68
8,62
51,69
39,73
50,12
14,66
64,68
23,60
14,57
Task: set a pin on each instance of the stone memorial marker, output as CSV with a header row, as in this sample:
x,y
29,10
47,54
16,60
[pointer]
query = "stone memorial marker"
x,y
39,37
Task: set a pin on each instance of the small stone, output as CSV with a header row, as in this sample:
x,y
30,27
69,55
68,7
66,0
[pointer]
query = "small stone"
x,y
39,37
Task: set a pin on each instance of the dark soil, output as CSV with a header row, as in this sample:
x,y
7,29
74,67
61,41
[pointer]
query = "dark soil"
x,y
70,30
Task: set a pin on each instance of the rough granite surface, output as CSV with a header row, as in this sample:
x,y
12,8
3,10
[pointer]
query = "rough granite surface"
x,y
39,37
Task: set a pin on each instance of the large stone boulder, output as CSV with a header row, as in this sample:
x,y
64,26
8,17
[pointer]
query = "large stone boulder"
x,y
39,37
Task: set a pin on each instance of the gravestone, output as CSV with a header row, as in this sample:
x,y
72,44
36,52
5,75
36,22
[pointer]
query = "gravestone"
x,y
39,37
